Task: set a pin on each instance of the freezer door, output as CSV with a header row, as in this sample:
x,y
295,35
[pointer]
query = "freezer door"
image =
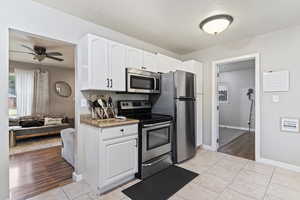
x,y
185,139
185,84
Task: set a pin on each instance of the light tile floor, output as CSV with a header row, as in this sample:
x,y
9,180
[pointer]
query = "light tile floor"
x,y
222,177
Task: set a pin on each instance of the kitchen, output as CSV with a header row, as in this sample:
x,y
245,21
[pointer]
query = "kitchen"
x,y
167,34
131,121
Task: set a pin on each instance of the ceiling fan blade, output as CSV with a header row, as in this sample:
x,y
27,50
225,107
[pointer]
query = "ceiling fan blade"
x,y
13,51
54,58
54,54
27,47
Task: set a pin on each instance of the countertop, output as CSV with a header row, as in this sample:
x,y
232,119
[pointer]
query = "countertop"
x,y
105,123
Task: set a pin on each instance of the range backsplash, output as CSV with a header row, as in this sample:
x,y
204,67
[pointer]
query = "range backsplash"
x,y
114,95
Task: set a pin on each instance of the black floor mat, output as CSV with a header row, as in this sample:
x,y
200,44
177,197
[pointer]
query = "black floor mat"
x,y
162,185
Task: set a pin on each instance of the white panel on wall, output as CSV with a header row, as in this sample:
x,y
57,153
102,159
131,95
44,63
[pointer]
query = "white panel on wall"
x,y
276,81
290,125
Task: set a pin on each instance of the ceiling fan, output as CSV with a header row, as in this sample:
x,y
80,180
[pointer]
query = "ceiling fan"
x,y
40,53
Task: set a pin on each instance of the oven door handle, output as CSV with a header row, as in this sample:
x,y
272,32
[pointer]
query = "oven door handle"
x,y
154,162
158,124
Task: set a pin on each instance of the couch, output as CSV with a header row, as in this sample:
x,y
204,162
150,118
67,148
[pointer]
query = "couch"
x,y
34,126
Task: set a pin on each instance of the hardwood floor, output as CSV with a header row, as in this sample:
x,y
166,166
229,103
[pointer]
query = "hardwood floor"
x,y
35,172
243,146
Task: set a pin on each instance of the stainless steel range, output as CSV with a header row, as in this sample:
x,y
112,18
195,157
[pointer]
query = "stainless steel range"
x,y
155,136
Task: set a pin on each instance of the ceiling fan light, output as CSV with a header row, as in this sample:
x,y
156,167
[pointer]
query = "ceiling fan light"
x,y
216,24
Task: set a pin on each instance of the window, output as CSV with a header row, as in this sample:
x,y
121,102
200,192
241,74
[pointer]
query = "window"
x,y
12,98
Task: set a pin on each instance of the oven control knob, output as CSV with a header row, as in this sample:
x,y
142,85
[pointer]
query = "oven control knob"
x,y
122,130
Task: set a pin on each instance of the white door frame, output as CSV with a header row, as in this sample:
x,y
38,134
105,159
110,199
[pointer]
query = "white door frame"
x,y
215,125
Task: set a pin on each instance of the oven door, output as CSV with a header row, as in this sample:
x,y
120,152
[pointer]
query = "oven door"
x,y
156,140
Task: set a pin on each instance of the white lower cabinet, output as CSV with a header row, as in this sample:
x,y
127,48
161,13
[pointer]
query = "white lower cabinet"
x,y
119,159
111,155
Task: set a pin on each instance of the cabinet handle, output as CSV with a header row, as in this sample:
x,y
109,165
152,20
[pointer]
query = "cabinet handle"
x,y
136,142
107,80
144,67
111,83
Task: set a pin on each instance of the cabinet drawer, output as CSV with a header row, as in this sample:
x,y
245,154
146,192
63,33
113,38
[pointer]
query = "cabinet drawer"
x,y
119,131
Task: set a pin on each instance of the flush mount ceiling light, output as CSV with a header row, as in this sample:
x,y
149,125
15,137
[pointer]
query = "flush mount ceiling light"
x,y
216,24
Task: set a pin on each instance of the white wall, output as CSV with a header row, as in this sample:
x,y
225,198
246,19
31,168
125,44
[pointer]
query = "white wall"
x,y
34,18
278,51
57,104
235,112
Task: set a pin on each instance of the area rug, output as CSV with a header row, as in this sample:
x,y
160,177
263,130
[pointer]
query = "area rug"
x,y
35,144
162,185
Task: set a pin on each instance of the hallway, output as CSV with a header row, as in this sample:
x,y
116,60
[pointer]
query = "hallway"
x,y
243,146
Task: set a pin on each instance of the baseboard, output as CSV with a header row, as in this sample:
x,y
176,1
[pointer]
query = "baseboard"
x,y
208,147
76,177
279,164
237,127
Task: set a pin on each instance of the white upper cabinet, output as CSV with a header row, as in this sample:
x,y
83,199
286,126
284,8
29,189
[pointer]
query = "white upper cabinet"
x,y
99,63
117,62
134,58
102,64
197,68
93,59
166,64
150,61
175,64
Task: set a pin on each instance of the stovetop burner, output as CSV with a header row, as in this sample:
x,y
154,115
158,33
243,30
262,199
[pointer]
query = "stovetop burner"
x,y
141,110
147,118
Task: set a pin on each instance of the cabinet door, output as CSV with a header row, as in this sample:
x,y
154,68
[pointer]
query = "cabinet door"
x,y
175,64
121,159
117,62
99,64
134,58
199,117
150,61
164,63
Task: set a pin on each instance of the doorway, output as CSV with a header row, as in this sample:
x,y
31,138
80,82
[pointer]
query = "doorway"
x,y
236,106
41,111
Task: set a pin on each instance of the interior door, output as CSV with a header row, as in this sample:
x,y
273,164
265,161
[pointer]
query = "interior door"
x,y
120,158
185,129
117,62
99,63
217,109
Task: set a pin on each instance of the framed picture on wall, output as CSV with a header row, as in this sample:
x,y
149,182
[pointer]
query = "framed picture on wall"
x,y
223,93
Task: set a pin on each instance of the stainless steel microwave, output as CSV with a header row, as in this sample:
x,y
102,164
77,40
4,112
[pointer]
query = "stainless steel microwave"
x,y
141,81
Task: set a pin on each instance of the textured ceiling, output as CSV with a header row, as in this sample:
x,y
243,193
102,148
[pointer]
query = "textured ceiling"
x,y
173,25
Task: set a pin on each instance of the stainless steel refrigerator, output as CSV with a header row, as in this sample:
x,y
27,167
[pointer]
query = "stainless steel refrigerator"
x,y
177,99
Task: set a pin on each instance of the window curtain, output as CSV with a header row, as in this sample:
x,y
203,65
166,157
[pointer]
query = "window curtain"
x,y
41,92
24,91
